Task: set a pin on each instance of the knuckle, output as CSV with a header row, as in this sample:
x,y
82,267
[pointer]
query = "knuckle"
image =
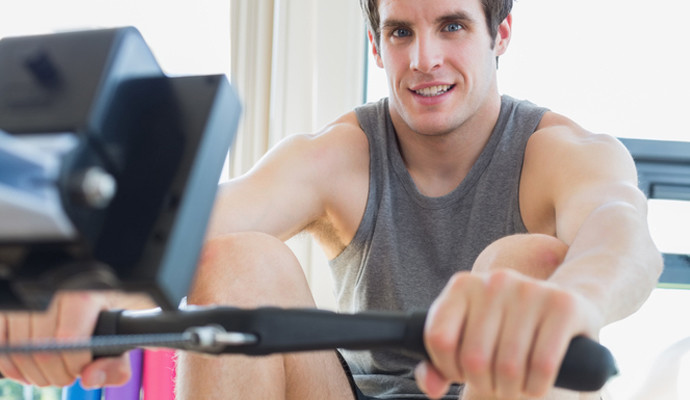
x,y
40,382
497,278
527,289
458,281
561,302
73,370
475,362
544,367
74,363
509,369
18,360
440,341
498,281
9,370
66,381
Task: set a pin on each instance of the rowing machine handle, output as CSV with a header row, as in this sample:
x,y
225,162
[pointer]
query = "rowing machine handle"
x,y
587,365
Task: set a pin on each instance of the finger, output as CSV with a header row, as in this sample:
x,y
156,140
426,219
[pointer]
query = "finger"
x,y
484,321
516,342
111,371
550,346
445,325
77,314
7,367
106,371
431,381
43,327
19,325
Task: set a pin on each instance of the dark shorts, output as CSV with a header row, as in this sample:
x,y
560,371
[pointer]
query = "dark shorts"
x,y
355,390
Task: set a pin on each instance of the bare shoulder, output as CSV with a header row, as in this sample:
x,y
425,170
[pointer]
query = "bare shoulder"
x,y
559,128
305,179
308,156
342,151
566,164
342,141
567,148
330,172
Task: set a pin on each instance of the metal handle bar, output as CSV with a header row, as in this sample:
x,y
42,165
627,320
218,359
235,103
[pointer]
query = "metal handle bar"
x,y
587,365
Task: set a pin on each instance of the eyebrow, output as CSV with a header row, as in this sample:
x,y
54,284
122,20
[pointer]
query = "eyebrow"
x,y
456,16
460,16
394,23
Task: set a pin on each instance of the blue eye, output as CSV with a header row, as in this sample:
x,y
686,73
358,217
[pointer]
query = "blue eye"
x,y
401,32
452,27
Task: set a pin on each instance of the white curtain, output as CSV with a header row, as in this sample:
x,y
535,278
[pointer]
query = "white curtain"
x,y
297,65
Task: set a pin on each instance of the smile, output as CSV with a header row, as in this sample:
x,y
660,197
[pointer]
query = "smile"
x,y
432,91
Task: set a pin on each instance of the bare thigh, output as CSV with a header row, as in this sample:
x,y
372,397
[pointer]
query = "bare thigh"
x,y
252,270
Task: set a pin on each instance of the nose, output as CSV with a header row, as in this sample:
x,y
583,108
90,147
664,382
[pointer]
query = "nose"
x,y
426,54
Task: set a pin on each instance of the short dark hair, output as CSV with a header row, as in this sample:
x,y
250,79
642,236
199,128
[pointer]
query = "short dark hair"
x,y
495,11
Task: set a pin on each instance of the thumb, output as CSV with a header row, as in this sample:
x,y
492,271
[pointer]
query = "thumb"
x,y
430,380
110,371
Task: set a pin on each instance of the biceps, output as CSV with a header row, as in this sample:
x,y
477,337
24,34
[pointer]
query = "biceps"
x,y
594,174
587,202
268,203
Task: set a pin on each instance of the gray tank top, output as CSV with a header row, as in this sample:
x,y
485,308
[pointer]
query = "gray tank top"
x,y
408,245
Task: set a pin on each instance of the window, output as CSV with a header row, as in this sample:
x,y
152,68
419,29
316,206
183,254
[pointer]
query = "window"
x,y
611,66
186,37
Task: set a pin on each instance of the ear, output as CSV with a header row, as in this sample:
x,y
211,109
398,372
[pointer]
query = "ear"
x,y
503,35
374,49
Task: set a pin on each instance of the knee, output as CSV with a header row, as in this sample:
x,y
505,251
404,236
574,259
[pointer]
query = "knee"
x,y
242,253
536,255
246,269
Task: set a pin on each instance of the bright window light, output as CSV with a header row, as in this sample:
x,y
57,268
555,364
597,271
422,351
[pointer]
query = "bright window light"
x,y
187,37
669,224
613,66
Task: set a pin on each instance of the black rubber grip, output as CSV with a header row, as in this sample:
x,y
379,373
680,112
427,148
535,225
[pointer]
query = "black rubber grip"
x,y
587,365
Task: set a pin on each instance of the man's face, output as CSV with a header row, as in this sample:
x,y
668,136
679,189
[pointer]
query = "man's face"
x,y
440,61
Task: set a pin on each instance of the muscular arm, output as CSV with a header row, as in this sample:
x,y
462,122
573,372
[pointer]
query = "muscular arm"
x,y
600,213
279,196
589,260
308,182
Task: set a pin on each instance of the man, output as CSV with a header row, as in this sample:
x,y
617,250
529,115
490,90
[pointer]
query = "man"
x,y
517,228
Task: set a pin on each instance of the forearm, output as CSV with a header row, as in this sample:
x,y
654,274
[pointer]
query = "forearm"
x,y
612,261
114,299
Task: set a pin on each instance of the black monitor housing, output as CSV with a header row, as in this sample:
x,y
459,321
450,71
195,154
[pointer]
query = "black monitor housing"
x,y
110,167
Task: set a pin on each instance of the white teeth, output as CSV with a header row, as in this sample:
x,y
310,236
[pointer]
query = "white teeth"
x,y
433,90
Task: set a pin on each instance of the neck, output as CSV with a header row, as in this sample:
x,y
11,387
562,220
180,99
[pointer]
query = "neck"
x,y
439,163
